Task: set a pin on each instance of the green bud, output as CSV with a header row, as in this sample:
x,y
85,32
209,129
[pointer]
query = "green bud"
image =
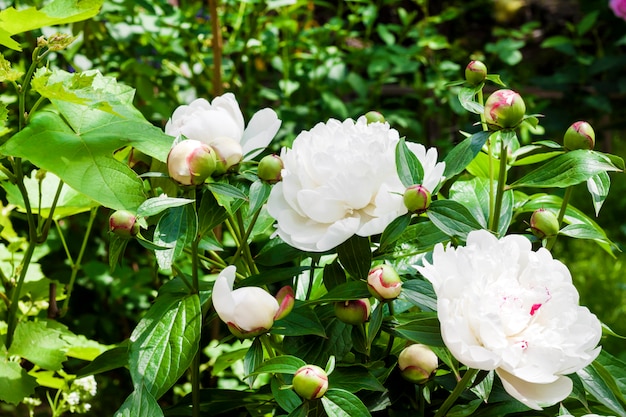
x,y
384,283
475,72
543,223
123,223
374,117
353,311
270,168
417,363
191,162
310,382
580,135
417,198
504,109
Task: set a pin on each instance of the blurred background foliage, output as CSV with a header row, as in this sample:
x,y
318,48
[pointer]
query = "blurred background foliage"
x,y
311,60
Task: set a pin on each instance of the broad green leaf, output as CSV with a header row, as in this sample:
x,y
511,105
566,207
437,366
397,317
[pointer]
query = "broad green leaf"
x,y
117,247
301,411
259,192
334,275
176,229
375,321
583,231
419,328
156,205
466,98
351,290
420,293
341,403
80,151
15,383
495,78
284,364
317,350
164,342
566,170
252,360
354,378
227,358
225,189
463,153
140,403
416,239
615,366
40,344
355,256
408,165
210,213
277,252
56,12
452,218
479,167
602,387
41,196
598,187
220,401
272,276
393,231
106,361
287,399
301,321
464,410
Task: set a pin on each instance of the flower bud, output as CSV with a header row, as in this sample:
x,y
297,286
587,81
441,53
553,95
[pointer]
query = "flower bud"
x,y
310,382
374,117
475,72
229,153
190,162
543,223
353,311
286,299
123,223
417,198
384,283
580,135
505,109
270,168
417,363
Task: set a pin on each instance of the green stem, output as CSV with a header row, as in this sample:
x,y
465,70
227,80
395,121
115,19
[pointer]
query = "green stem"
x,y
483,123
391,337
500,190
15,295
43,231
195,385
458,390
246,235
267,344
561,215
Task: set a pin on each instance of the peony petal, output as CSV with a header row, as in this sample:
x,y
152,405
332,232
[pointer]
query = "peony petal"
x,y
227,103
533,395
254,309
223,301
259,133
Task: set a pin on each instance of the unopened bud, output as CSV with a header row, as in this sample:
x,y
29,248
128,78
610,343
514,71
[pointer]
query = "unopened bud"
x,y
270,168
475,72
286,299
123,223
417,363
417,198
190,162
353,311
543,223
310,382
505,109
580,135
374,117
384,283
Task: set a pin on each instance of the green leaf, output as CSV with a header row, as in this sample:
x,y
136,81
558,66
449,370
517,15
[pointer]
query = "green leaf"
x,y
341,403
420,293
495,78
259,192
463,153
89,139
317,350
164,342
210,213
272,276
176,229
117,246
351,290
452,218
227,190
252,360
393,231
301,321
140,403
355,256
375,321
598,187
418,238
355,378
7,73
334,275
15,383
566,170
409,167
583,231
419,328
602,387
466,98
156,205
56,12
40,344
284,364
287,399
111,359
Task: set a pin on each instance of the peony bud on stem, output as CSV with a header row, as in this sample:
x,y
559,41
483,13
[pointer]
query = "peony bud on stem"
x,y
417,198
504,109
417,363
353,311
579,135
123,223
310,382
475,72
384,283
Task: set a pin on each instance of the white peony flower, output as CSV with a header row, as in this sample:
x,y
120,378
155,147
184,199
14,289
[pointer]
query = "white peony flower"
x,y
504,307
340,179
220,125
248,311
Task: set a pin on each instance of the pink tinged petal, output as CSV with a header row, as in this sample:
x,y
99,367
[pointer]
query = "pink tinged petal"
x,y
223,301
259,133
534,395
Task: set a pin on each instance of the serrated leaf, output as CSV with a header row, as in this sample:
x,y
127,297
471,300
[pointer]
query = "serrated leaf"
x,y
140,403
284,364
463,153
15,383
408,165
341,403
355,256
40,344
164,342
56,12
598,186
452,218
176,229
7,73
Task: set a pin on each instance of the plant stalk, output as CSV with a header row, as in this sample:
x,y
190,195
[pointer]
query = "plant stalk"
x,y
456,393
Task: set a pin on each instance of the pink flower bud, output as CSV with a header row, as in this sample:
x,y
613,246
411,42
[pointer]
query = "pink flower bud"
x,y
374,117
190,162
543,223
270,168
353,311
417,363
475,72
123,223
580,135
505,109
310,382
229,153
417,198
384,283
286,299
